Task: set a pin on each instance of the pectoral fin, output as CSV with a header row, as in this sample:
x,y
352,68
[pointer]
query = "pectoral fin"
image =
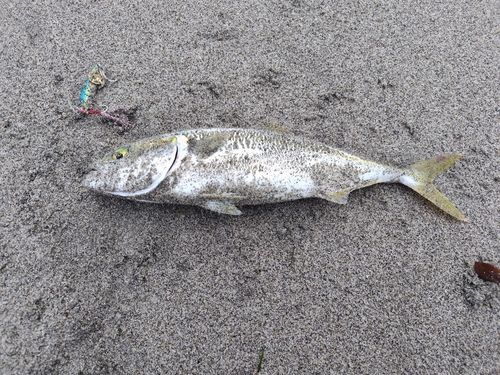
x,y
222,207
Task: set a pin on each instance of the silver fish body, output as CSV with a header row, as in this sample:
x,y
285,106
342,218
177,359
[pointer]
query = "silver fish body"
x,y
219,169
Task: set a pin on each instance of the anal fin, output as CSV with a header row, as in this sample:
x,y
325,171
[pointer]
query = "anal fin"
x,y
222,207
339,197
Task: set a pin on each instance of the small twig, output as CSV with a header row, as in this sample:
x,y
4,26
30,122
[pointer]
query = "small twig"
x,y
261,358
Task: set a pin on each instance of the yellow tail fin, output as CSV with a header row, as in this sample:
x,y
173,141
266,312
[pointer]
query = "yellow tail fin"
x,y
419,177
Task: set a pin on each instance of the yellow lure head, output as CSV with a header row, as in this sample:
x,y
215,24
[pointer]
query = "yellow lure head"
x,y
96,75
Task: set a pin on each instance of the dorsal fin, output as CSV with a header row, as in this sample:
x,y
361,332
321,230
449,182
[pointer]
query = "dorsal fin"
x,y
274,126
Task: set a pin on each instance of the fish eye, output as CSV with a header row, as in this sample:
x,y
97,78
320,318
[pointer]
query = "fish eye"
x,y
120,153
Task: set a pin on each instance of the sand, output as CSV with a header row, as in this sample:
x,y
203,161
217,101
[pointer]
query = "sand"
x,y
382,285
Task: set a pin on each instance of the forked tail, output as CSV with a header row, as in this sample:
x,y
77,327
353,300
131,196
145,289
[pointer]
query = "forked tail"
x,y
419,177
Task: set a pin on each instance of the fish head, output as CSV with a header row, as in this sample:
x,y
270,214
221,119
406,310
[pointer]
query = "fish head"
x,y
138,168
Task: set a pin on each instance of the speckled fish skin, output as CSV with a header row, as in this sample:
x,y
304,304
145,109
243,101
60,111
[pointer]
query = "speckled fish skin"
x,y
219,169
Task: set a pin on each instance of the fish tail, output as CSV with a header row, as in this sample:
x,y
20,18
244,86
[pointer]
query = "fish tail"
x,y
419,177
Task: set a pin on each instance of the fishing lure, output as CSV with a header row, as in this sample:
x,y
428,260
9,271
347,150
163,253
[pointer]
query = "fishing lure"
x,y
95,79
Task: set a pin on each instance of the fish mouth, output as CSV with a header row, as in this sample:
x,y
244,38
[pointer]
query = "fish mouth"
x,y
90,179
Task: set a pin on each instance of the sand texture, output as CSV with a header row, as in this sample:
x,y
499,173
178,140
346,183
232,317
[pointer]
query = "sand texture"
x,y
383,285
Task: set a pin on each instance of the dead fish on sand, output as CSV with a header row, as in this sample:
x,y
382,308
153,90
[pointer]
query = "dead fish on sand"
x,y
219,169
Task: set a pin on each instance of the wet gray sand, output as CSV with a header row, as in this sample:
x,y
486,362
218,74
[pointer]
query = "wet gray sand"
x,y
384,284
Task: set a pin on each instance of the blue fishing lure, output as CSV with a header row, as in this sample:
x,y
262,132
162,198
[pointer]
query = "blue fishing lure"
x,y
95,78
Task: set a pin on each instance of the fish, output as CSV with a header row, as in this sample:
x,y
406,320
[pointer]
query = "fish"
x,y
220,169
